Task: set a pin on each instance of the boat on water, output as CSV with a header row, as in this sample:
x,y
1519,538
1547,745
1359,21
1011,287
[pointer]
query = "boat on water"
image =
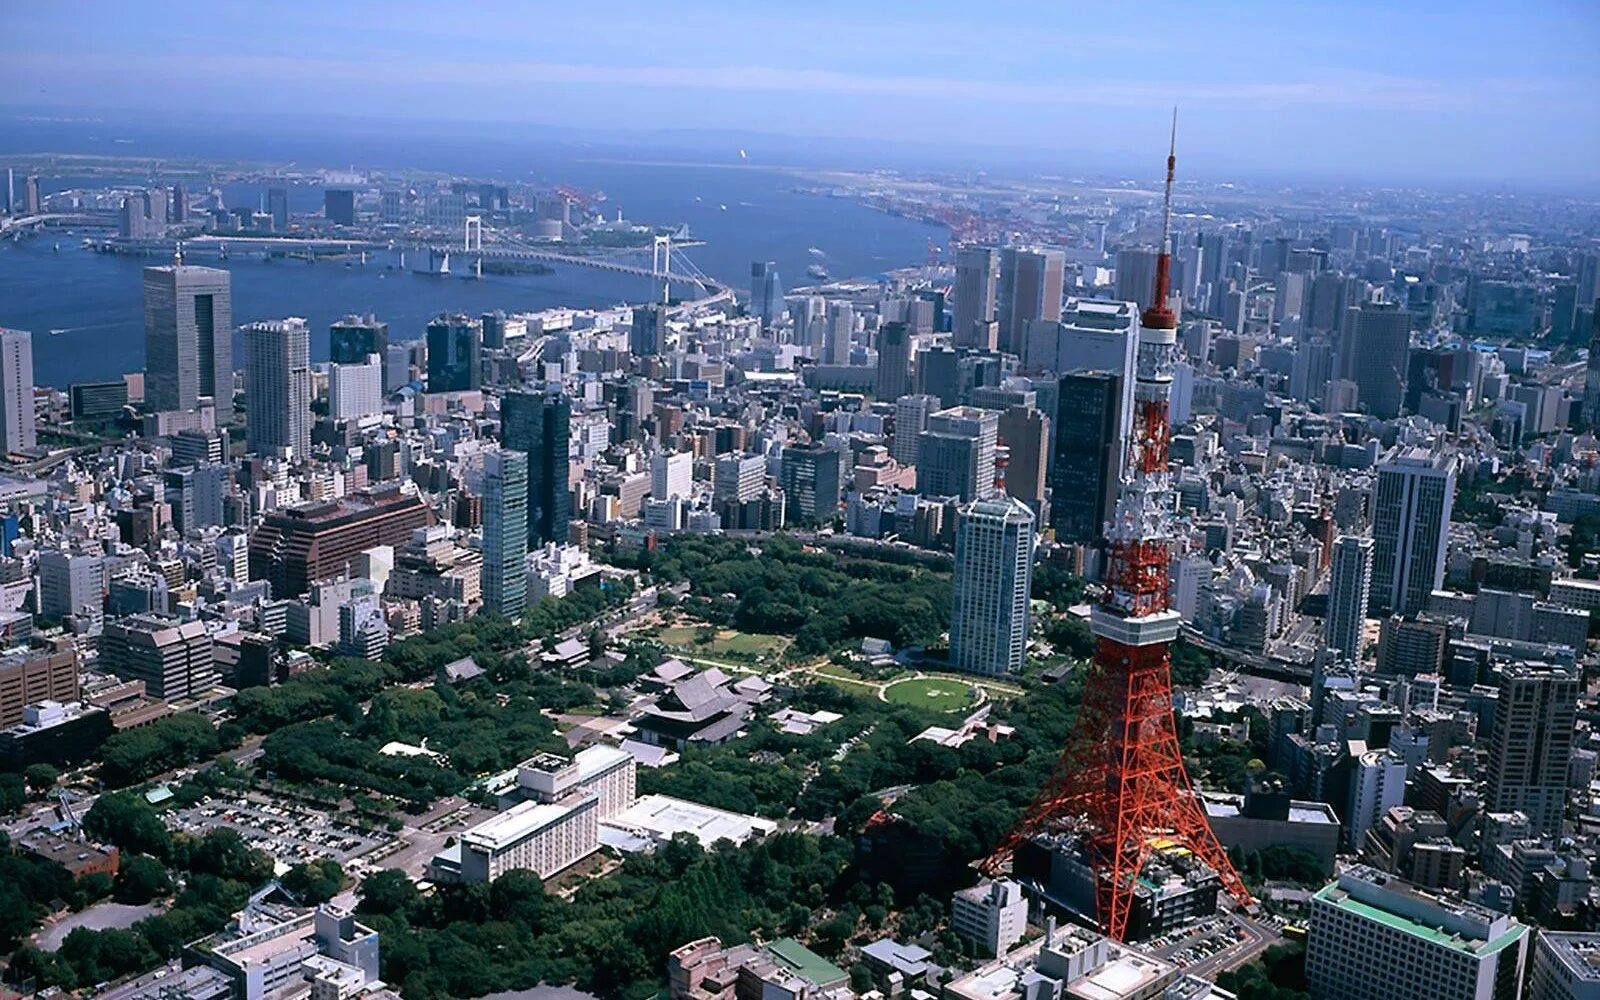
x,y
817,271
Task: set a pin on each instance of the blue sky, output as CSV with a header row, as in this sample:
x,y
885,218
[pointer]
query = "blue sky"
x,y
1469,90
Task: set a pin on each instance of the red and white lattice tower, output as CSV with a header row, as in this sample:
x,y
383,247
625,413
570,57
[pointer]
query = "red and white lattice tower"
x,y
1121,783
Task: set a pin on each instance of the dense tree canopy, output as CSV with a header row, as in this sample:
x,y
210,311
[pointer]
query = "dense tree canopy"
x,y
612,936
821,598
136,754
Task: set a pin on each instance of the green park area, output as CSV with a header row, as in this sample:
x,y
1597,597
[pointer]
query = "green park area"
x,y
694,639
936,693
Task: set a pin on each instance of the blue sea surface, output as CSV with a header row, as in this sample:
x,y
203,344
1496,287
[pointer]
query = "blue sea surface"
x,y
50,283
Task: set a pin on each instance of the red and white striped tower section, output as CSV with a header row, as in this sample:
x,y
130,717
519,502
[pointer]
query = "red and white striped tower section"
x,y
1121,783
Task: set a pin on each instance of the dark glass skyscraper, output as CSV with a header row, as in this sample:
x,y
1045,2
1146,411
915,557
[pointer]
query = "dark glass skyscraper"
x,y
644,337
1083,477
766,292
278,208
339,206
455,351
351,339
894,361
539,424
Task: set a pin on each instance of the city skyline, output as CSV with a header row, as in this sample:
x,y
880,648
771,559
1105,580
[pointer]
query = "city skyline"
x,y
1344,95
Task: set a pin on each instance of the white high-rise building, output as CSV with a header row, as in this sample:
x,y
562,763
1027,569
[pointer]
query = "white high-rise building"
x,y
911,415
1187,573
841,328
17,431
1373,936
738,478
1377,783
1410,528
989,616
70,583
1349,593
355,391
277,387
671,476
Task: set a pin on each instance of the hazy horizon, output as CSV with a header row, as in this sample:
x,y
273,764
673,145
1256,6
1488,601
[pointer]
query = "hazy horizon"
x,y
1477,94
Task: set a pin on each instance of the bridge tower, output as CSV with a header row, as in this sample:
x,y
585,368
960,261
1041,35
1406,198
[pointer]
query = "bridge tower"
x,y
474,234
661,265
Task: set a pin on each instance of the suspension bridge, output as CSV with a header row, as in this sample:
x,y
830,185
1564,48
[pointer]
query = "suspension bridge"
x,y
668,266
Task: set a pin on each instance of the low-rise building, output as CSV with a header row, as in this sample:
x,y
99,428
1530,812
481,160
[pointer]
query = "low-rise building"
x,y
271,949
992,915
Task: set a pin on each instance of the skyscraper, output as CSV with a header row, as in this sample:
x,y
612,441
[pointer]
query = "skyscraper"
x,y
277,388
539,424
1382,354
1530,749
810,476
766,292
991,586
955,456
841,326
910,420
278,208
455,354
351,339
1591,380
17,431
894,361
939,374
1136,275
1102,337
178,205
1410,527
188,338
1349,594
339,206
1025,433
505,532
644,336
355,390
977,280
1085,474
1030,289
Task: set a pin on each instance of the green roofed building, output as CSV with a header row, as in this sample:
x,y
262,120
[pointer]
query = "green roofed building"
x,y
1376,937
803,963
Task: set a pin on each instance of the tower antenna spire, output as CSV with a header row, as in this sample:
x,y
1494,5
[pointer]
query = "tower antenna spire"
x,y
1159,314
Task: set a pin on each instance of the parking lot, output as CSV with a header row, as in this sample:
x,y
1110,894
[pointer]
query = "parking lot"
x,y
289,833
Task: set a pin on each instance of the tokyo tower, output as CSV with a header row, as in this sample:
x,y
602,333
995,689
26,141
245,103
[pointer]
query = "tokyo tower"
x,y
1120,782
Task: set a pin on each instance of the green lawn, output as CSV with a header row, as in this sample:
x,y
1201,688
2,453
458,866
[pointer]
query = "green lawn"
x,y
728,644
936,693
750,644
